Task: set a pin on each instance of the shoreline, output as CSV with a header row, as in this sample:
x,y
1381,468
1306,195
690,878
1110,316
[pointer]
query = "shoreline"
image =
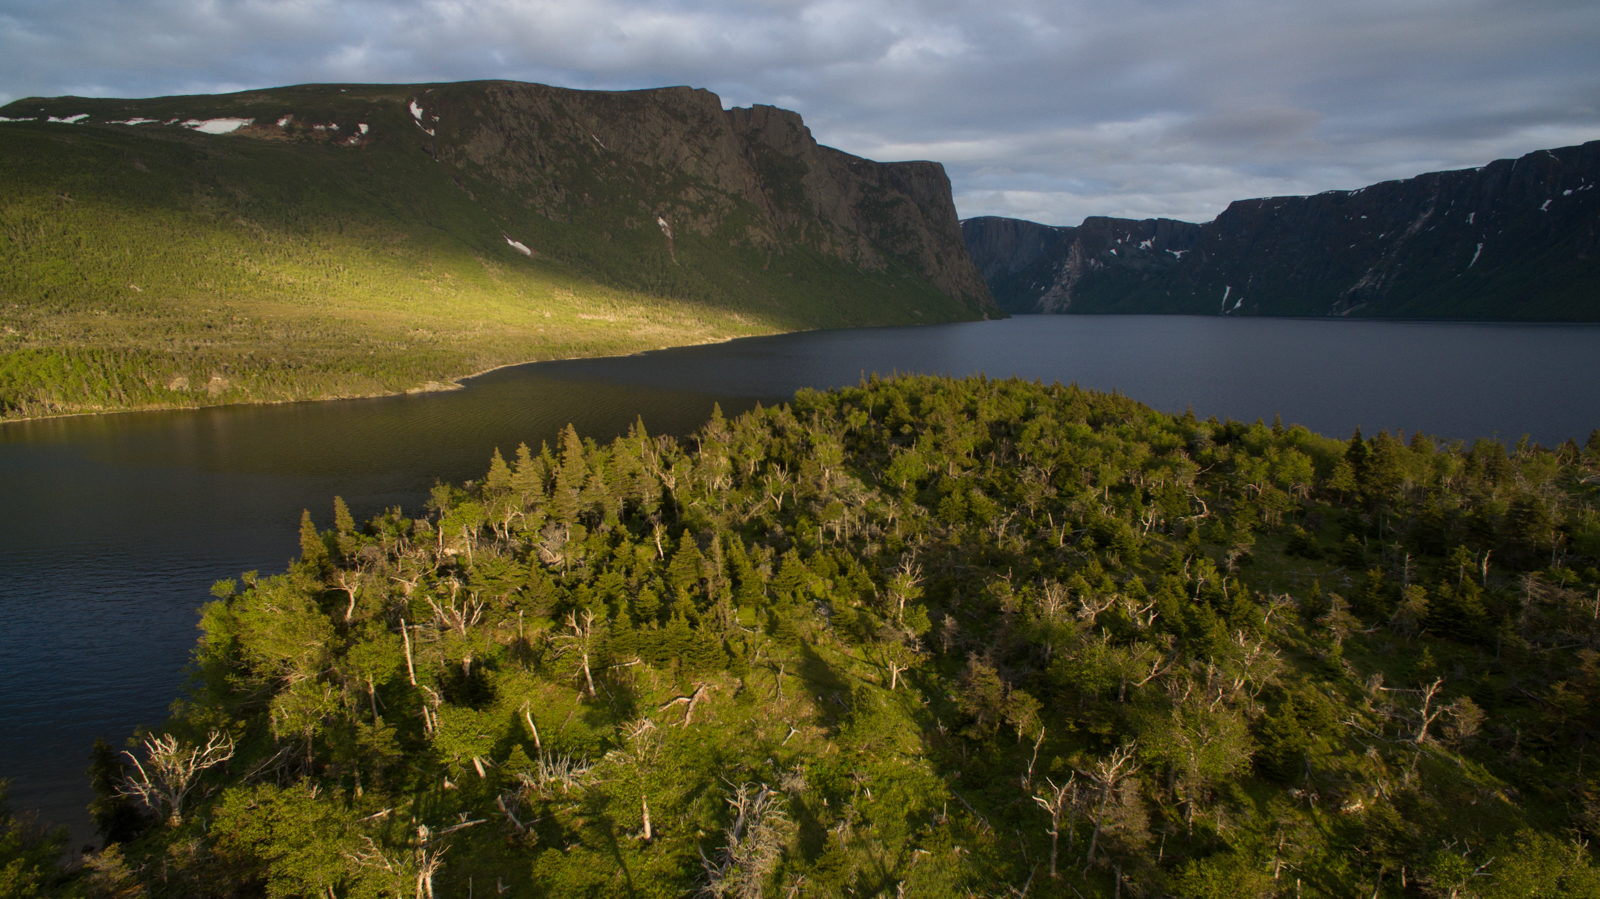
x,y
455,383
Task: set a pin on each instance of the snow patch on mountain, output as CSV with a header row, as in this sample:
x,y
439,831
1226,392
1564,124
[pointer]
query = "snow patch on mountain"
x,y
216,126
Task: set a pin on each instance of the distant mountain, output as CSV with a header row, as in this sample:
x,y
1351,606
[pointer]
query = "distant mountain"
x,y
1515,240
346,239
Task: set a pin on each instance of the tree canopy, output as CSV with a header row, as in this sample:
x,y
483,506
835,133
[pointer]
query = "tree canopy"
x,y
921,637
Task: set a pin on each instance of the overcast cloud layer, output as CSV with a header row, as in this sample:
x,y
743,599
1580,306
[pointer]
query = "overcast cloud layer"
x,y
1049,111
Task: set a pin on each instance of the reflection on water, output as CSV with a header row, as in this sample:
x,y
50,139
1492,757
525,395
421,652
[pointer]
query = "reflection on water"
x,y
113,528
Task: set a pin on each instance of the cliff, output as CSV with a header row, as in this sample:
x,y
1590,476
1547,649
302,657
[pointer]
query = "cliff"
x,y
674,159
1513,240
338,240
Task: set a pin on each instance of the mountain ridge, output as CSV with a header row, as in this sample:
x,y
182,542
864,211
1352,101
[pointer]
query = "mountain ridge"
x,y
1512,240
345,240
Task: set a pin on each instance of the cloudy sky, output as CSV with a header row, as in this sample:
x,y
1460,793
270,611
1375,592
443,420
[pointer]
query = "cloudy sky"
x,y
1043,109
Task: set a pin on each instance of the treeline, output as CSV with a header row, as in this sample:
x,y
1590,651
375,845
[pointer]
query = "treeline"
x,y
922,637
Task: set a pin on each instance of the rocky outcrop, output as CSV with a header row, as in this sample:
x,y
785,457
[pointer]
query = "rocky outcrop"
x,y
1513,240
674,159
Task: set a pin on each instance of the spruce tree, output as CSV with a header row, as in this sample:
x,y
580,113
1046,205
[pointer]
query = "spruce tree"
x,y
685,570
499,477
313,549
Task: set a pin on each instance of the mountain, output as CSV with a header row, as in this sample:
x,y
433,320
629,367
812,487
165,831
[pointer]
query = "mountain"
x,y
1514,240
335,240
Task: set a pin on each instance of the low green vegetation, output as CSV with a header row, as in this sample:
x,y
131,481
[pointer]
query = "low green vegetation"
x,y
151,266
922,637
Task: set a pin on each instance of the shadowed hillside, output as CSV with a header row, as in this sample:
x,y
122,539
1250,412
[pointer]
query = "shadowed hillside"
x,y
329,240
1515,240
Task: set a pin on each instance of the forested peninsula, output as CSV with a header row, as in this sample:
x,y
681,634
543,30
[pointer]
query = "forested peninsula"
x,y
922,637
332,240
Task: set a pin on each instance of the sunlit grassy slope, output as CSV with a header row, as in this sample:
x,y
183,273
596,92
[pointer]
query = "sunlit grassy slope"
x,y
152,265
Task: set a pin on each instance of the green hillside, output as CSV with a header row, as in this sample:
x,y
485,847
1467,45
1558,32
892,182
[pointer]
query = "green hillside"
x,y
325,249
922,637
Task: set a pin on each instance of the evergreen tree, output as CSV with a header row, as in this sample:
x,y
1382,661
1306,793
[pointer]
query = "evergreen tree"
x,y
314,554
1358,456
685,571
528,480
343,524
499,478
570,477
646,606
116,818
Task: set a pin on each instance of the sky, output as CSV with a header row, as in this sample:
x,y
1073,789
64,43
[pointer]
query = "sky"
x,y
1049,110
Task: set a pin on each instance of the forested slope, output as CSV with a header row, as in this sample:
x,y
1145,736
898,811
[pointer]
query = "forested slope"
x,y
343,240
922,637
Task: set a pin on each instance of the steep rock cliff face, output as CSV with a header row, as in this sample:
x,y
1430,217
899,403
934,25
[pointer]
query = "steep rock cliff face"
x,y
1003,247
673,160
1514,240
1039,268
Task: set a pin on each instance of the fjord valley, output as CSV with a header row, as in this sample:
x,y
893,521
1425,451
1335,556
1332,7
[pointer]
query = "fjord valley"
x,y
348,240
1514,240
920,637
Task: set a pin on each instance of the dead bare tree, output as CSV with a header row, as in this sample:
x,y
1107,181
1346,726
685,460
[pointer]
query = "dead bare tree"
x,y
371,855
1143,615
351,583
1052,601
754,845
905,587
171,772
566,771
1258,664
1090,606
1427,714
508,803
449,615
428,852
898,658
701,690
429,858
581,640
552,544
1027,777
1055,801
1109,773
405,635
775,485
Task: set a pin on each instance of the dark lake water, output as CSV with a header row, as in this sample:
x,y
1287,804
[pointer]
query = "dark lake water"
x,y
113,528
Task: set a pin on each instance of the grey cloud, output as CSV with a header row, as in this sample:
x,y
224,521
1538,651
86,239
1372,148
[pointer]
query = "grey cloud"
x,y
1045,110
1255,127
